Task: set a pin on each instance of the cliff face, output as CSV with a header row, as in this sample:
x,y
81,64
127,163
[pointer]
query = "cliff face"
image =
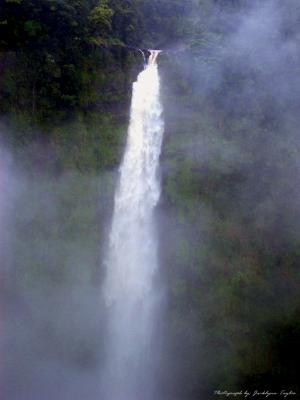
x,y
229,212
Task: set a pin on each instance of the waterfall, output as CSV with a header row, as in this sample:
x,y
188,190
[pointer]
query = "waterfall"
x,y
143,54
131,262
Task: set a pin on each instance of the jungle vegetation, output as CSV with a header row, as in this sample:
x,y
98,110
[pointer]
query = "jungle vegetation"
x,y
229,216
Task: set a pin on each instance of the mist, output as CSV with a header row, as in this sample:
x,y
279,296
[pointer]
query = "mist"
x,y
227,222
52,335
232,145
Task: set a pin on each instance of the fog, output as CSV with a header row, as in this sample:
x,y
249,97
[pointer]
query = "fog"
x,y
52,320
228,223
232,221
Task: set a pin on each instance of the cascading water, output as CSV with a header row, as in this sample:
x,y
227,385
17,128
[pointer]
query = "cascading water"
x,y
131,261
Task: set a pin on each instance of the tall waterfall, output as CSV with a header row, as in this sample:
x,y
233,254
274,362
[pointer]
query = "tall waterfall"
x,y
129,290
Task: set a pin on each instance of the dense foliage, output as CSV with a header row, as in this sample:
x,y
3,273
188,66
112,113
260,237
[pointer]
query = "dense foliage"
x,y
58,57
229,214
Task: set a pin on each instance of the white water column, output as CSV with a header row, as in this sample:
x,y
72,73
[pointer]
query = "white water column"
x,y
131,262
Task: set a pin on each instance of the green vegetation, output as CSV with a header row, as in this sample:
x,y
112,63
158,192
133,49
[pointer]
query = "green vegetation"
x,y
230,232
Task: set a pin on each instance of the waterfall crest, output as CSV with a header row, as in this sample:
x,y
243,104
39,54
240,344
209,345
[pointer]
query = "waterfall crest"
x,y
131,261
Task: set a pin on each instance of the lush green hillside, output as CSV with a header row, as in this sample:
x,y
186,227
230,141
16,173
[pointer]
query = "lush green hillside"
x,y
230,207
